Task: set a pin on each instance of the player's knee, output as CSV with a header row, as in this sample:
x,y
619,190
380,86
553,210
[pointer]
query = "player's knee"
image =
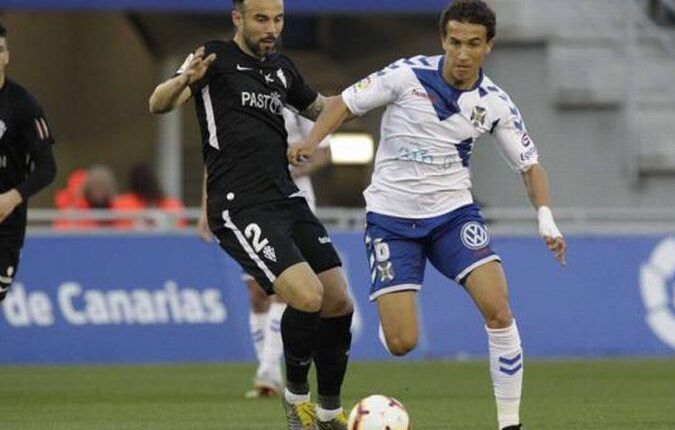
x,y
337,306
260,301
259,305
499,318
309,300
400,345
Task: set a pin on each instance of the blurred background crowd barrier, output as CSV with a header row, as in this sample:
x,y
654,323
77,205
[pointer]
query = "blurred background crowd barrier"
x,y
172,298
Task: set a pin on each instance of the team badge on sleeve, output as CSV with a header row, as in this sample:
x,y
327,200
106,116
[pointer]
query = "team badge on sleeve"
x,y
363,84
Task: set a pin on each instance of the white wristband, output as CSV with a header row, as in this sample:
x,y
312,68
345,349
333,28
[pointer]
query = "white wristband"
x,y
547,227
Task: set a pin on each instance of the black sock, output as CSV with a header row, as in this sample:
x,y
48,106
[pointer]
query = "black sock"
x,y
331,355
298,330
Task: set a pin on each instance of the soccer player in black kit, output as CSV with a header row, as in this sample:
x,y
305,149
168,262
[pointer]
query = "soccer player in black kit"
x,y
254,208
26,164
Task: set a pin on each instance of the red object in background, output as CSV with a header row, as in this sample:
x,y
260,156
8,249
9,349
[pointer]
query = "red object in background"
x,y
131,202
72,198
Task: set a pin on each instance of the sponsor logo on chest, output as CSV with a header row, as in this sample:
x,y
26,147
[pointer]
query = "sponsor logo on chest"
x,y
268,102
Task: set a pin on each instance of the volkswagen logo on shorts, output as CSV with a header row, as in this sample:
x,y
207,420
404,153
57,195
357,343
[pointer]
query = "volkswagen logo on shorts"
x,y
474,235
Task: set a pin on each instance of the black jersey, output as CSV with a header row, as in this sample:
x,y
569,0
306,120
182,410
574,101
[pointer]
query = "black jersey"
x,y
239,103
26,160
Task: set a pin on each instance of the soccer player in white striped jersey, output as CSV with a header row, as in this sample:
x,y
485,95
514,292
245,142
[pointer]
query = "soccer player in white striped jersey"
x,y
419,203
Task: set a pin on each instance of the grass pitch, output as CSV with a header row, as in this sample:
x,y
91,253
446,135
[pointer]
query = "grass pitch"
x,y
559,395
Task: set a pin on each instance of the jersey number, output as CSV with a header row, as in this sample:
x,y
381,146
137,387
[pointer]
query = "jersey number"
x,y
253,232
381,251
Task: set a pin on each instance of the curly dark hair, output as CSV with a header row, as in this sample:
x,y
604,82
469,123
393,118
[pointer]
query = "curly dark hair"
x,y
3,31
472,12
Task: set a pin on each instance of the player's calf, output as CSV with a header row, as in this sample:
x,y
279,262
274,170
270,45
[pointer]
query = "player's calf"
x,y
499,318
331,355
400,344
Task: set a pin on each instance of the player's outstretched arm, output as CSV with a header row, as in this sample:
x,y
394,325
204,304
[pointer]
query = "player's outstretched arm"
x,y
331,118
175,91
536,182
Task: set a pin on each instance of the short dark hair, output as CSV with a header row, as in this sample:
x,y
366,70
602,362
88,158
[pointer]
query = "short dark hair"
x,y
472,12
237,4
142,181
3,30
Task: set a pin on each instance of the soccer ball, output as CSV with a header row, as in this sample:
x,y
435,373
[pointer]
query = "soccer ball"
x,y
378,412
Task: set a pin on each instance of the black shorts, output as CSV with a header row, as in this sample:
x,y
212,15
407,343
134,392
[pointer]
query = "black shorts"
x,y
268,238
9,263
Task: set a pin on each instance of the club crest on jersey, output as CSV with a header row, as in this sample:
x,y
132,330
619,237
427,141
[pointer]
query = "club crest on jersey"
x,y
269,253
478,116
3,128
282,77
474,235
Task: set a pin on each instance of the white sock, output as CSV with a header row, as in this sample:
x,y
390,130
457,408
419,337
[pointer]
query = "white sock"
x,y
296,398
506,369
327,414
273,347
257,323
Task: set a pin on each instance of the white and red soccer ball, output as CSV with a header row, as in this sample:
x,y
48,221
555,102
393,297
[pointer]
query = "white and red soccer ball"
x,y
378,412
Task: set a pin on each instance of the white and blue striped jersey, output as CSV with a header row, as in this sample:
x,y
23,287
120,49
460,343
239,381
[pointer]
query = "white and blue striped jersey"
x,y
428,132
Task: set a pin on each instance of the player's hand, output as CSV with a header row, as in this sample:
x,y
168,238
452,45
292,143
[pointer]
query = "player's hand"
x,y
203,227
549,231
198,65
8,201
558,246
298,153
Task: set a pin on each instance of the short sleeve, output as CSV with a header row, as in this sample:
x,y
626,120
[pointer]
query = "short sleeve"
x,y
513,140
300,95
376,90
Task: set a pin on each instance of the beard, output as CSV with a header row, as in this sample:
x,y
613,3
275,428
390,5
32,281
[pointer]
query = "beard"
x,y
259,47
